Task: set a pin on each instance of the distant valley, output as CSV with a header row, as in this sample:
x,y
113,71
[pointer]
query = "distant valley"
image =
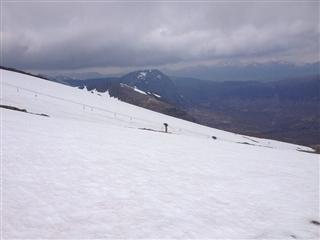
x,y
286,110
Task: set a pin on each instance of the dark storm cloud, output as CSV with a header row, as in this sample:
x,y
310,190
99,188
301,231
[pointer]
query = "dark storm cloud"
x,y
57,35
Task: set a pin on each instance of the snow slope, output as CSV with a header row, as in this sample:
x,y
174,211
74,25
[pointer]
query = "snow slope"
x,y
93,170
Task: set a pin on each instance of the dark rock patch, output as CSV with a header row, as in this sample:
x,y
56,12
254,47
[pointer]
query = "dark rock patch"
x,y
22,110
315,222
13,108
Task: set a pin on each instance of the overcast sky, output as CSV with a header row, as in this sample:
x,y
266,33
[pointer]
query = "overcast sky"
x,y
109,36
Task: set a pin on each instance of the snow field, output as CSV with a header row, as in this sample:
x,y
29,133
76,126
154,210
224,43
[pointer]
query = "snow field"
x,y
85,173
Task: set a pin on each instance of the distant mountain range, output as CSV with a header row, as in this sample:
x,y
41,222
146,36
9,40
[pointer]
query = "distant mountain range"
x,y
78,76
286,110
271,71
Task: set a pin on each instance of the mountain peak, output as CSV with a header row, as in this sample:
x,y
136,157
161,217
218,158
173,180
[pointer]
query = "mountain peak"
x,y
153,80
149,73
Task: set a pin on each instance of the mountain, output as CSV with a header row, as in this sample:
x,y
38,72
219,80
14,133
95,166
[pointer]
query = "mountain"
x,y
266,72
151,81
149,100
150,89
79,164
155,82
286,110
24,72
78,76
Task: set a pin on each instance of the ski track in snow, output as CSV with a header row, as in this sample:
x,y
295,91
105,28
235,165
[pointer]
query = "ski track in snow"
x,y
88,172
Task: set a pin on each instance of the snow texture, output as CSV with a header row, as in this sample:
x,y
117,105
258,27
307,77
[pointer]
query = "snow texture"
x,y
142,75
89,171
139,91
158,96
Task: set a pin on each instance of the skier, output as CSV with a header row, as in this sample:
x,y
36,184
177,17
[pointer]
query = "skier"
x,y
165,127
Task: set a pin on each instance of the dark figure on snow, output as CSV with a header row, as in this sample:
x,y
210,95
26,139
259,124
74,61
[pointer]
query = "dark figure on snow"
x,y
165,127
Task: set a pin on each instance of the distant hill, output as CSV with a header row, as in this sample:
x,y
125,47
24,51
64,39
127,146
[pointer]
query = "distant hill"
x,y
271,71
286,110
24,72
156,82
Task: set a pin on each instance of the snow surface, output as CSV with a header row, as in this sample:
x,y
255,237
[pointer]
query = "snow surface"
x,y
156,95
89,171
139,91
134,88
142,75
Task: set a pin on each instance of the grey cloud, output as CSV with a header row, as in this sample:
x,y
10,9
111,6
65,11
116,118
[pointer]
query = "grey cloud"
x,y
62,36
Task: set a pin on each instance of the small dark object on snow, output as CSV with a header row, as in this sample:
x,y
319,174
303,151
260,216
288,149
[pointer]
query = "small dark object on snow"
x,y
22,110
165,127
315,222
13,108
41,114
213,137
293,236
153,130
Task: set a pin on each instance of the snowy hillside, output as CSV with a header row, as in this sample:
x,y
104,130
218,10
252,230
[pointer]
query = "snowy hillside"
x,y
96,167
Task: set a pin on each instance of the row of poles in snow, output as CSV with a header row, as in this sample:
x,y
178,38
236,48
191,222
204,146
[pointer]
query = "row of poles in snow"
x,y
84,107
115,115
92,108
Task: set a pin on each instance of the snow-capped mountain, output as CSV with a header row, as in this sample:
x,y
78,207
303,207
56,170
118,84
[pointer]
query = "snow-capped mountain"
x,y
80,164
155,82
151,81
150,89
